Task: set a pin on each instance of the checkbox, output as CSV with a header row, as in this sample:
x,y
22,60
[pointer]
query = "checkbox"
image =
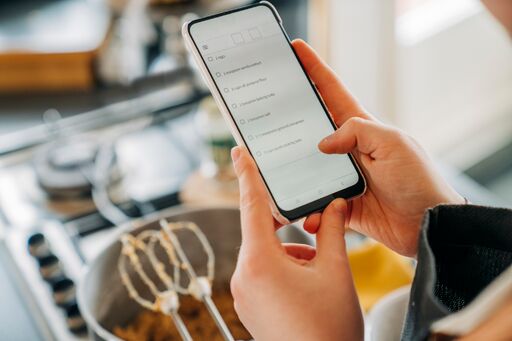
x,y
258,153
234,105
218,74
255,33
226,90
210,59
237,38
242,121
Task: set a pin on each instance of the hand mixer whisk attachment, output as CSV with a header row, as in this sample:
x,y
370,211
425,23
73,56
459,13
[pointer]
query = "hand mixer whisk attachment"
x,y
166,301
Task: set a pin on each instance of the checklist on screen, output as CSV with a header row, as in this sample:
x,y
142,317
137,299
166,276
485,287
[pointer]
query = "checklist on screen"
x,y
274,106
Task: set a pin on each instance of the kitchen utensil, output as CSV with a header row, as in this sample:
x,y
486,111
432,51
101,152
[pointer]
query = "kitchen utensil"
x,y
105,303
166,301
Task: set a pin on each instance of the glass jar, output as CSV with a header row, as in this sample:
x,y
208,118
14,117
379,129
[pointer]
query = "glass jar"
x,y
218,142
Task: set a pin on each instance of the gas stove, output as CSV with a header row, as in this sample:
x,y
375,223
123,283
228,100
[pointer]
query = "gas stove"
x,y
57,211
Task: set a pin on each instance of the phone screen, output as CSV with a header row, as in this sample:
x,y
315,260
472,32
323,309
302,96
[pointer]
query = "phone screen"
x,y
273,104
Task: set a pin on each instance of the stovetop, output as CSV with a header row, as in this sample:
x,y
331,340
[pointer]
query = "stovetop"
x,y
51,238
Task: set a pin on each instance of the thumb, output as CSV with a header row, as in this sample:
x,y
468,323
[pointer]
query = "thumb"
x,y
330,238
256,217
365,135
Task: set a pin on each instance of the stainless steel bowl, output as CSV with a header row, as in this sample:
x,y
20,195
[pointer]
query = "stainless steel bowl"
x,y
104,301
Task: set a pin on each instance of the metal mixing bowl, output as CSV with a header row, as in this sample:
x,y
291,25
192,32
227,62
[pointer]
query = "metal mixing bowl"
x,y
104,301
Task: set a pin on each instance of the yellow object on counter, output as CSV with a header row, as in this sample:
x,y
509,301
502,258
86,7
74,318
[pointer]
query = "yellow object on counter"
x,y
377,271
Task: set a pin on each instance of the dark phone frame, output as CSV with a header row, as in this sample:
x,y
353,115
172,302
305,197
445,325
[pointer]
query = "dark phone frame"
x,y
319,204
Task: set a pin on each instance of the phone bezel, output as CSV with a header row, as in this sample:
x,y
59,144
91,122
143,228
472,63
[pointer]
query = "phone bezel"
x,y
351,192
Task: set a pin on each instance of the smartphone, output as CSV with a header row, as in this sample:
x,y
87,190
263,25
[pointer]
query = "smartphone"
x,y
273,108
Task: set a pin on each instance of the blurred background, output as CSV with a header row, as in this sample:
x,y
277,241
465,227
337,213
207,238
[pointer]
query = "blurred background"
x,y
440,70
104,117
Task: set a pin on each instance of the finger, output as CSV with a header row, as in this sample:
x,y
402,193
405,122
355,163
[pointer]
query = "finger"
x,y
277,225
312,223
330,236
340,102
365,135
300,251
256,217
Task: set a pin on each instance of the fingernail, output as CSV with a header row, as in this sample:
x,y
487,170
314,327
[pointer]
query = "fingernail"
x,y
324,141
235,154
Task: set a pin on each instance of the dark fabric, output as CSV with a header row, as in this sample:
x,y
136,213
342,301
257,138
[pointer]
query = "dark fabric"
x,y
462,249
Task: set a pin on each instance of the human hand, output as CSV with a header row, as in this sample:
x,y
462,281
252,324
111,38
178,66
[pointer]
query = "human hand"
x,y
291,291
402,182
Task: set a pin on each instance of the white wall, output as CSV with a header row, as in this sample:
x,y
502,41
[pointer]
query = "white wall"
x,y
362,50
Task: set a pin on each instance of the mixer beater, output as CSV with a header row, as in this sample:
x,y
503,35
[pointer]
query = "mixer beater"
x,y
166,301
